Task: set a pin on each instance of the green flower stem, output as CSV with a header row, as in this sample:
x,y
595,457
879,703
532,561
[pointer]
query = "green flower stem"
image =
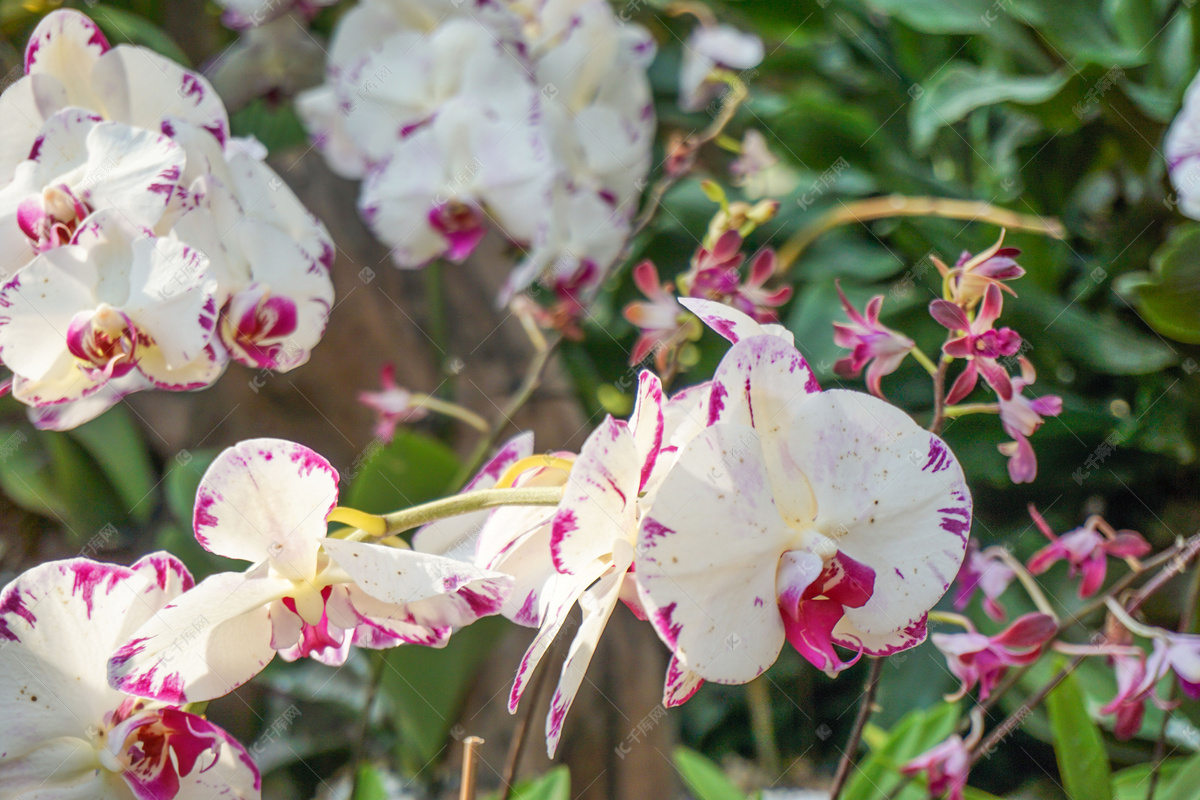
x,y
378,525
1031,586
971,408
448,409
925,361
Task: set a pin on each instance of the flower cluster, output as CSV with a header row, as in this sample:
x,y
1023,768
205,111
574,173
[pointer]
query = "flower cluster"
x,y
972,304
143,246
534,120
715,274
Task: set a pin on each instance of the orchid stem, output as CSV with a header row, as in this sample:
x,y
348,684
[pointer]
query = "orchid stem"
x,y
378,525
860,722
454,410
971,408
952,619
925,361
896,205
1027,580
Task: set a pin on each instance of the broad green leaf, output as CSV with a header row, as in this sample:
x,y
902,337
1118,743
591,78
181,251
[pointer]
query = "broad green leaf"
x,y
704,778
411,469
25,475
1131,782
1078,31
92,504
1078,746
554,785
1169,295
120,449
124,27
371,785
961,88
877,774
275,125
1100,341
1185,785
427,685
182,479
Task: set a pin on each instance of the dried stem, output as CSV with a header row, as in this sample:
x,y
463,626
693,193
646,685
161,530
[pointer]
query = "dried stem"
x,y
860,722
521,734
895,205
939,395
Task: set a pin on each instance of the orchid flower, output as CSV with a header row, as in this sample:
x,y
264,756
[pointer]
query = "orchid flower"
x,y
1021,417
987,572
868,342
967,282
1128,705
79,164
732,324
1086,550
974,658
714,273
69,63
241,14
70,735
266,501
112,302
979,343
660,320
946,766
1182,150
712,47
819,518
393,405
751,296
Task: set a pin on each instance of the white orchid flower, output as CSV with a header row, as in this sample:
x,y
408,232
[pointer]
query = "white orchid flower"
x,y
113,301
266,501
69,734
68,62
77,165
819,518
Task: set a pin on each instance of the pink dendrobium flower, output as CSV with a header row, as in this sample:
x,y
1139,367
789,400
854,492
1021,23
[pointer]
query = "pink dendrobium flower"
x,y
987,572
1021,417
974,658
659,319
69,734
773,525
1086,550
394,405
971,275
980,344
1129,703
946,767
267,501
868,341
752,298
715,269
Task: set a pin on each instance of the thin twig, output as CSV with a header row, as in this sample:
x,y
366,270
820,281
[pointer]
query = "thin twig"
x,y
360,744
860,722
521,732
939,396
895,205
1015,719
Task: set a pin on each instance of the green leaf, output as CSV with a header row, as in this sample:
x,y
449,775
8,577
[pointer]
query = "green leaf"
x,y
118,447
1169,295
1101,341
25,475
274,124
961,88
554,785
877,774
371,785
1186,783
123,27
427,685
704,778
1131,783
1078,746
411,469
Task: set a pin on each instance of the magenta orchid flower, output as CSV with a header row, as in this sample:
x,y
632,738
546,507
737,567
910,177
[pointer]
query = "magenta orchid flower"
x,y
980,343
715,268
1021,417
752,298
773,525
974,658
1129,704
969,279
306,595
946,767
868,342
69,734
659,318
393,405
986,572
1086,550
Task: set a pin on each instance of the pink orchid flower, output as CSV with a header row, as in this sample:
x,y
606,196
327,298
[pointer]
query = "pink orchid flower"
x,y
984,571
756,301
868,341
974,658
1086,549
659,319
1021,417
394,405
946,766
980,343
971,275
